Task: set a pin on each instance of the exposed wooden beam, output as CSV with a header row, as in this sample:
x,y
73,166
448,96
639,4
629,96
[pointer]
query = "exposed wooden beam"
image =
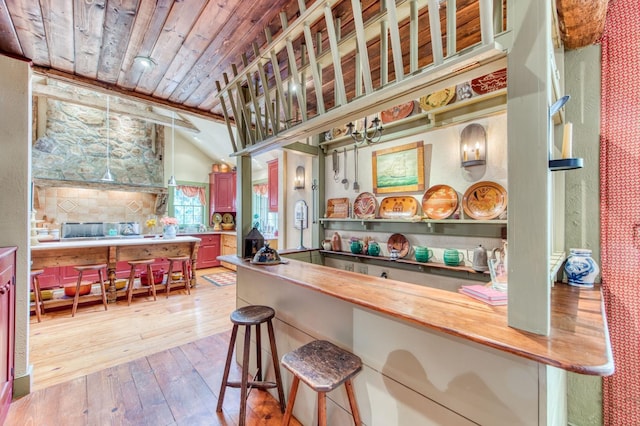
x,y
106,88
97,102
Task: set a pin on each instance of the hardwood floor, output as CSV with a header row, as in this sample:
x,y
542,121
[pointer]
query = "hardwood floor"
x,y
151,363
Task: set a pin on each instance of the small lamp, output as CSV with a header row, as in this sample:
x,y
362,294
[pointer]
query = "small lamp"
x,y
473,145
298,182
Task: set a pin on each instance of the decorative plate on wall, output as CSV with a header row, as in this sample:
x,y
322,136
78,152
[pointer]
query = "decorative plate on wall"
x,y
439,202
227,218
400,243
398,207
365,206
490,82
337,208
484,200
397,112
438,99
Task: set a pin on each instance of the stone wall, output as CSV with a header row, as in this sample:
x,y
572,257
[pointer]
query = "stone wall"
x,y
73,146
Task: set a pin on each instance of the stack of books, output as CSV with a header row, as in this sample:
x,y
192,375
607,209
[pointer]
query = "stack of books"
x,y
488,295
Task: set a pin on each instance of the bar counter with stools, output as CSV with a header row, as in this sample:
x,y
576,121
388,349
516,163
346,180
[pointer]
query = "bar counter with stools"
x,y
185,264
249,316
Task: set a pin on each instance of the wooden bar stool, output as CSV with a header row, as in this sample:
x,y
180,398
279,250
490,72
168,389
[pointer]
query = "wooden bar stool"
x,y
248,316
323,367
150,278
99,267
185,262
37,296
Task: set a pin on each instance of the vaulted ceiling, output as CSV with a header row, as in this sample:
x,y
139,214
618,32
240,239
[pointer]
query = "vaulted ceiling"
x,y
189,45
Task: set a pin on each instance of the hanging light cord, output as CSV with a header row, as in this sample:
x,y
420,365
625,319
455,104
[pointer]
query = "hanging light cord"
x,y
173,157
108,136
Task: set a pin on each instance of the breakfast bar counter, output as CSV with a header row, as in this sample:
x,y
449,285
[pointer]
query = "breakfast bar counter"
x,y
444,356
111,251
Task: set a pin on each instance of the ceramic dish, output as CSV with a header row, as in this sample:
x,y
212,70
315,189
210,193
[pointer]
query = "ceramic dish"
x,y
484,200
398,207
365,206
399,242
490,82
337,208
217,218
438,99
227,218
397,112
439,202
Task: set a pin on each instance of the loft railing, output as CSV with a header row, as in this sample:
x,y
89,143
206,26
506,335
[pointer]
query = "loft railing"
x,y
295,87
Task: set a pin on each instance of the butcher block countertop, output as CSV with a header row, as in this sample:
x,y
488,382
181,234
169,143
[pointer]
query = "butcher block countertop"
x,y
578,342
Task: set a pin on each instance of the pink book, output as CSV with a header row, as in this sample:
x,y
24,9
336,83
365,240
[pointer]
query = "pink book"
x,y
486,293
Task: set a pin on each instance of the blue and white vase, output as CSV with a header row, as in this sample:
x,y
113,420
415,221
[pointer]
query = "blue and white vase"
x,y
580,268
169,232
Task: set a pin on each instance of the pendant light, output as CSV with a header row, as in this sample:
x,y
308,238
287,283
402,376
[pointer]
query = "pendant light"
x,y
108,177
172,179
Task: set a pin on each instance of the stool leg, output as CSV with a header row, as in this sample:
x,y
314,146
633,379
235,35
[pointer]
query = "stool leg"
x,y
245,377
276,364
102,289
77,295
292,400
227,366
186,275
132,276
35,286
352,402
153,281
322,409
169,277
258,354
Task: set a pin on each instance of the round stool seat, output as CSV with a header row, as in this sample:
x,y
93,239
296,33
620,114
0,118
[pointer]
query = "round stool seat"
x,y
252,315
35,272
141,262
90,267
179,258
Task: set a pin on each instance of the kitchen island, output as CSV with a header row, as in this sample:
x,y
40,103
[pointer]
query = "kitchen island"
x,y
430,356
111,251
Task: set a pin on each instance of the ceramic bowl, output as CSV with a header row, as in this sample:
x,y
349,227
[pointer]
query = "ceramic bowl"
x,y
70,289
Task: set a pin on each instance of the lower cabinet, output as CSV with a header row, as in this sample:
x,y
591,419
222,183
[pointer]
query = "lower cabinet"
x,y
7,326
228,246
209,251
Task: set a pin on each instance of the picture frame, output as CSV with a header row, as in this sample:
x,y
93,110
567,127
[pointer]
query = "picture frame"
x,y
399,169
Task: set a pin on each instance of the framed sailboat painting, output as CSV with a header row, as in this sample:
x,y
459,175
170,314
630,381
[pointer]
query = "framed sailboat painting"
x,y
399,169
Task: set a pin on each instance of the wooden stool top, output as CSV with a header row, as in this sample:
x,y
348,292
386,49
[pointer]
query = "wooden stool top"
x,y
35,272
252,315
90,267
178,258
141,262
322,365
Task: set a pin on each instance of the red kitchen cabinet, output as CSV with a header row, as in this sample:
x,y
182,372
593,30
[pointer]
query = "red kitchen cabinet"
x,y
7,326
222,192
49,278
209,251
272,183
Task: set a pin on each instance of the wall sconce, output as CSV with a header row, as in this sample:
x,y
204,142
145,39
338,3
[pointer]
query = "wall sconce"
x,y
298,182
473,145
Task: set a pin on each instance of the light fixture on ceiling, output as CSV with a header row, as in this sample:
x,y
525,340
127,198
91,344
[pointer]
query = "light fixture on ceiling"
x,y
108,177
473,145
145,61
367,135
172,179
298,182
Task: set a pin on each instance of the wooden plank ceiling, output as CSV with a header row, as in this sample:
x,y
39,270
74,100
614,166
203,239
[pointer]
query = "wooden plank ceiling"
x,y
191,44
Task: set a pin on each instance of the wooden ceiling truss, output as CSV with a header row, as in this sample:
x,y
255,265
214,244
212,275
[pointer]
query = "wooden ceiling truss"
x,y
275,102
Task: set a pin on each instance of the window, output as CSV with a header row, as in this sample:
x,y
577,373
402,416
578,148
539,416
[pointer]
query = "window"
x,y
263,219
188,205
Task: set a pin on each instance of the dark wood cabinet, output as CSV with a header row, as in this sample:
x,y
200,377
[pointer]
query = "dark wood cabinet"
x,y
222,192
7,326
272,183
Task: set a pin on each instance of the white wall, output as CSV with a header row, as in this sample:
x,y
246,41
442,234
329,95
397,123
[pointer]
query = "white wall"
x,y
15,176
191,164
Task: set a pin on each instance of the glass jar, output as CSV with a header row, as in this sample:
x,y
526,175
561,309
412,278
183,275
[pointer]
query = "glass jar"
x,y
580,268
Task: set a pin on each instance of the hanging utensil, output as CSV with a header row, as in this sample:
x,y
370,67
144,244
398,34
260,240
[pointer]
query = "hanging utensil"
x,y
345,181
336,165
356,185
